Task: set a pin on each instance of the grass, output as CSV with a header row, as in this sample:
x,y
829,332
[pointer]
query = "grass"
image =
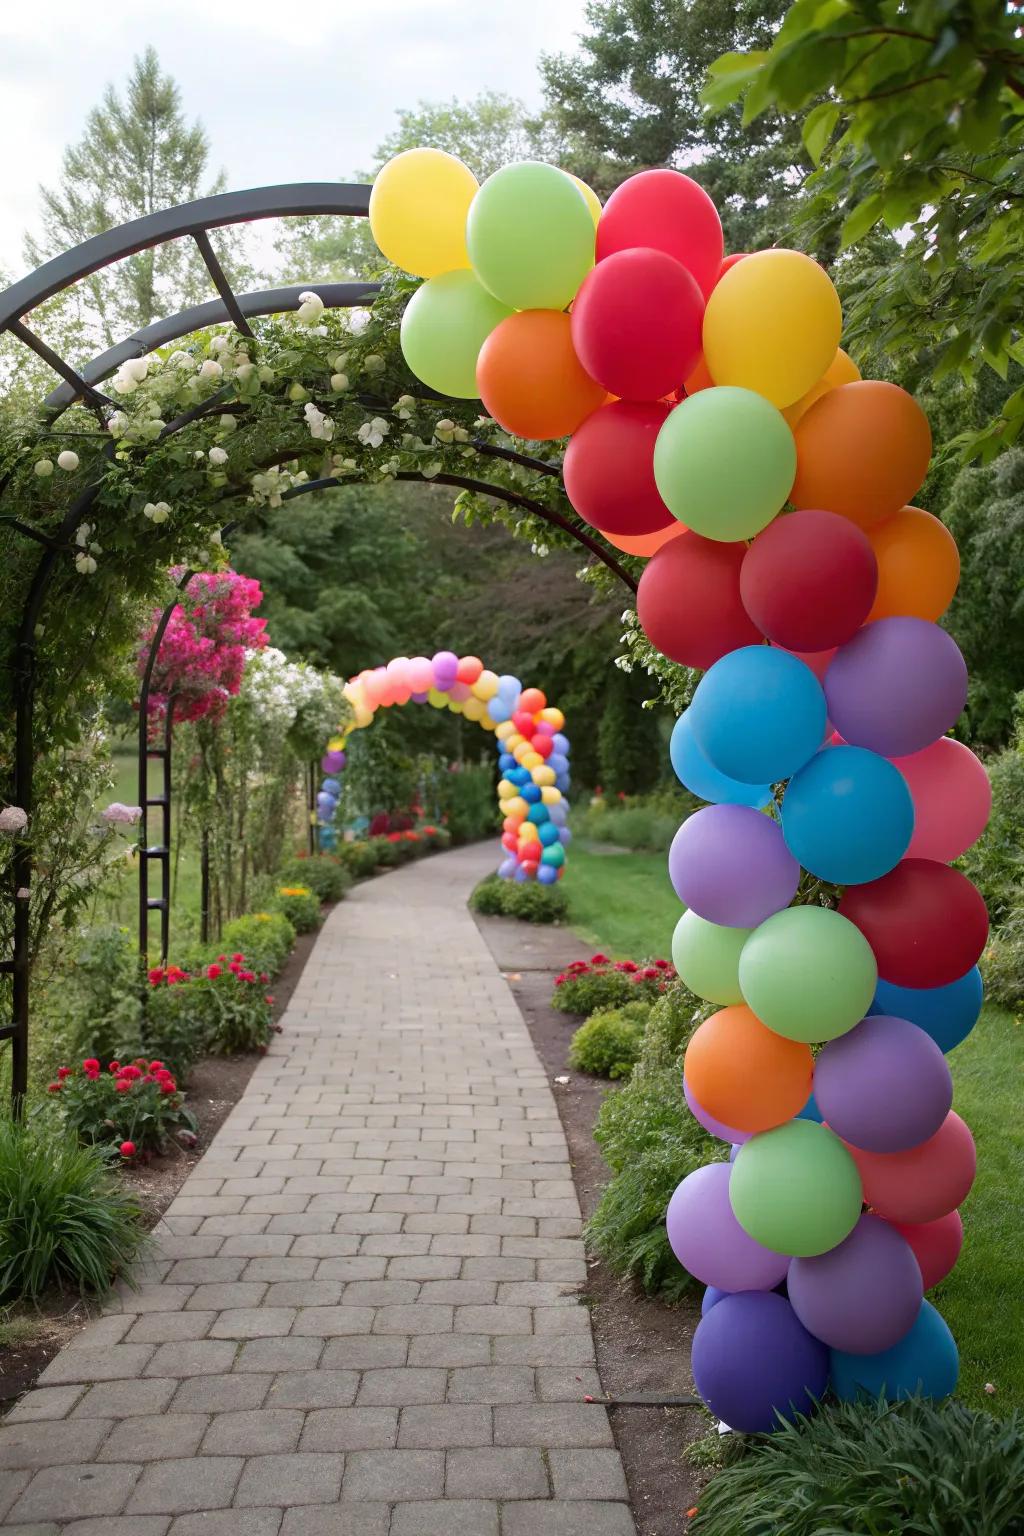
x,y
625,905
120,904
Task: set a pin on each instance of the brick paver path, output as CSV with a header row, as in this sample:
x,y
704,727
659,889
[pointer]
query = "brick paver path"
x,y
363,1315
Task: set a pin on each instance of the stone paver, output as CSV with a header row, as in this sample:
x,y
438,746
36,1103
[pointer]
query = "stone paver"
x,y
362,1316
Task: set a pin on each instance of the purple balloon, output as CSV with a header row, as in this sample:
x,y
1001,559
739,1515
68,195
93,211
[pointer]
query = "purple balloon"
x,y
897,686
753,1359
730,864
707,1239
333,761
715,1127
862,1296
712,1296
884,1086
419,698
446,667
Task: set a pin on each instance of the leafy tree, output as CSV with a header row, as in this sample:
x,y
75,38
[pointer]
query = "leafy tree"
x,y
914,113
629,98
137,154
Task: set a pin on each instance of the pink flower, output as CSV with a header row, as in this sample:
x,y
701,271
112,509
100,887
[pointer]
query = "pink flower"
x,y
115,1066
156,1066
126,815
90,1064
127,1149
166,1086
130,1074
264,976
238,959
213,971
268,999
53,1087
599,959
123,1085
63,1072
155,976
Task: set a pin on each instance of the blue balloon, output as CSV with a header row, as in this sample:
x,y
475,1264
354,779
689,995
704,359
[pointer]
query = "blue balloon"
x,y
565,837
559,813
555,855
696,774
947,1013
562,782
499,710
560,744
848,816
331,787
810,1111
519,873
758,714
559,762
531,793
549,834
506,761
538,814
924,1362
507,869
509,688
547,875
520,776
712,1295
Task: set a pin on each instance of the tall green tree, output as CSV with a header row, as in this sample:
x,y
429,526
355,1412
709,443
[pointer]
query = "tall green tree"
x,y
137,154
629,98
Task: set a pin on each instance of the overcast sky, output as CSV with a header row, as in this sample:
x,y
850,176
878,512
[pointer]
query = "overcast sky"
x,y
286,91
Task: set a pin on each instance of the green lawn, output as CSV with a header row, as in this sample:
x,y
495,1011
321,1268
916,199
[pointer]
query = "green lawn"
x,y
120,903
625,905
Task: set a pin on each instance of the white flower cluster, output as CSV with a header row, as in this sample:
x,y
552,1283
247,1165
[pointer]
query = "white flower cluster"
x,y
269,485
320,426
372,433
282,693
88,549
311,307
156,511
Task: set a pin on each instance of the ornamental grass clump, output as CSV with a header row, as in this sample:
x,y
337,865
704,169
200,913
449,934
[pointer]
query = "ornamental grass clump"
x,y
136,1106
587,985
65,1218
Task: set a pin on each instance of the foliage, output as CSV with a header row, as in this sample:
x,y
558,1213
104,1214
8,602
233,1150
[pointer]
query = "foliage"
x,y
171,1031
100,994
300,906
203,649
526,900
996,862
651,1142
324,873
608,1044
222,1007
467,801
137,1105
629,744
642,822
1002,964
867,1468
588,985
673,1018
265,938
64,1219
359,857
915,117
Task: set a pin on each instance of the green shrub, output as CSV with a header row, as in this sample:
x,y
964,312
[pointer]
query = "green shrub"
x,y
488,898
325,875
651,1142
643,822
673,1018
386,854
608,1044
870,1470
588,985
64,1217
526,900
265,938
173,1028
136,1108
300,906
101,995
469,807
1002,964
359,858
996,862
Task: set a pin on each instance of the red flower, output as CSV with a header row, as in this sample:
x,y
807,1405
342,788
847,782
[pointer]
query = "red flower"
x,y
599,959
238,959
53,1087
63,1072
264,976
93,1077
123,1085
156,1066
155,976
129,1074
663,965
247,976
649,974
561,980
167,1086
115,1066
629,966
127,1149
213,971
234,968
222,959
268,998
90,1064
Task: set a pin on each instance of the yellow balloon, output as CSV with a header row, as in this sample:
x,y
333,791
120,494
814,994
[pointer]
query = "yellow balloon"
x,y
486,686
507,790
487,723
516,807
530,759
504,730
549,795
418,209
473,709
542,775
590,197
528,833
841,370
364,715
520,752
514,739
337,744
772,325
437,700
554,717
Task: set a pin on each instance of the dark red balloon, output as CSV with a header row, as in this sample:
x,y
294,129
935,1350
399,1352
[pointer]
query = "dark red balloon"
x,y
636,323
809,580
524,722
609,468
926,922
670,212
689,600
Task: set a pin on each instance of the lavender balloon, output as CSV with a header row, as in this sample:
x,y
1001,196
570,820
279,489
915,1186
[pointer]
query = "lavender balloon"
x,y
753,1359
715,1127
896,687
731,865
446,666
862,1296
884,1086
333,761
707,1239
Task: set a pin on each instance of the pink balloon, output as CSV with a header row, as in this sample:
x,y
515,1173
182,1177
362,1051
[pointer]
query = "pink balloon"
x,y
460,692
952,798
375,686
421,674
398,679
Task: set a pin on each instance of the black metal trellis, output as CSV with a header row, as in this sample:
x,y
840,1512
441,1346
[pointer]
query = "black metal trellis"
x,y
193,220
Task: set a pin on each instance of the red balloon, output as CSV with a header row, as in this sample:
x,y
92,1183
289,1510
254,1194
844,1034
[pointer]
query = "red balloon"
x,y
523,722
469,669
531,866
542,744
809,580
670,212
730,261
924,1183
532,700
818,661
636,323
688,600
936,1245
609,468
510,841
926,923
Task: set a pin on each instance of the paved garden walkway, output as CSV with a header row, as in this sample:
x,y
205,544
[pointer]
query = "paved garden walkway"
x,y
362,1318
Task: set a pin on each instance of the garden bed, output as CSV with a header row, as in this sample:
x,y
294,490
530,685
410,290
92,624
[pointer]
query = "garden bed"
x,y
643,1345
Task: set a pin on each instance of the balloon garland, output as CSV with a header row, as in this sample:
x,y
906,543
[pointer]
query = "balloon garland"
x,y
533,751
716,427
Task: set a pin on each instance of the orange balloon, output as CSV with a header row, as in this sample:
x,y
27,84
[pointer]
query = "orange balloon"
x,y
918,565
744,1074
645,544
841,370
530,379
862,450
532,701
699,379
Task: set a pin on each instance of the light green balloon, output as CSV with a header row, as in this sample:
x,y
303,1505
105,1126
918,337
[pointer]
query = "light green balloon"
x,y
796,1189
724,462
707,957
530,236
808,974
445,324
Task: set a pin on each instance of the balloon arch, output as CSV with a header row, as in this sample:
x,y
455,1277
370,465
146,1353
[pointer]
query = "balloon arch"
x,y
533,751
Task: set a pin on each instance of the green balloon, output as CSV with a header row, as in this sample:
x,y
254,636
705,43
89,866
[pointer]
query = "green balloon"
x,y
796,1189
445,324
808,974
530,236
707,957
724,462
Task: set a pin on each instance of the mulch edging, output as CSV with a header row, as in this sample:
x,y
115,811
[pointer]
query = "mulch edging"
x,y
642,1344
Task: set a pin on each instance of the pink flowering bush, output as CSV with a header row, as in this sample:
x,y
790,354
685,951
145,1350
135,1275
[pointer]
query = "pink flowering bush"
x,y
202,653
137,1106
587,985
